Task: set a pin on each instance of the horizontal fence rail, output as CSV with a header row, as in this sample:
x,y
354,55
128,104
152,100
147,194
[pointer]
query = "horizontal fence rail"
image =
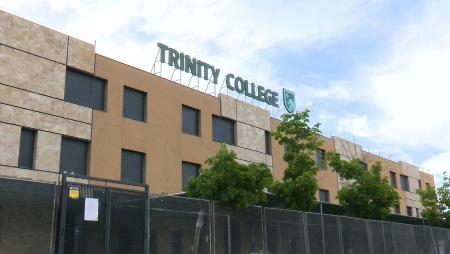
x,y
51,218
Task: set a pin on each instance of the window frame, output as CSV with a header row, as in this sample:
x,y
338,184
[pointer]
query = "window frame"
x,y
88,147
90,85
268,142
144,113
226,121
183,163
406,187
20,158
409,211
327,195
198,120
321,158
144,159
393,179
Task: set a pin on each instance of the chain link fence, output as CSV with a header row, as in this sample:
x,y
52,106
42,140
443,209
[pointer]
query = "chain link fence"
x,y
51,218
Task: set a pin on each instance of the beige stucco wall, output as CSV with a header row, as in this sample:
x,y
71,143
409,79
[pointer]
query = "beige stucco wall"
x,y
32,73
40,121
31,37
36,102
252,115
48,149
9,144
347,149
250,137
81,55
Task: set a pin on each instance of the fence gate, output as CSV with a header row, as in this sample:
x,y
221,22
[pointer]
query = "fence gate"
x,y
103,217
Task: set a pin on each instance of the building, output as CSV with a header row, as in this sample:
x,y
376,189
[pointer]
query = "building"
x,y
64,108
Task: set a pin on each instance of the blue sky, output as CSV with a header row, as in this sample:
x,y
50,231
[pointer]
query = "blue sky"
x,y
376,71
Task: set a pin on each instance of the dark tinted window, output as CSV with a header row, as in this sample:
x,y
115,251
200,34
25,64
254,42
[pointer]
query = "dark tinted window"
x,y
409,211
134,102
223,130
85,90
189,170
74,156
393,177
190,120
27,146
268,142
417,212
324,195
132,166
320,158
363,165
404,182
420,184
397,209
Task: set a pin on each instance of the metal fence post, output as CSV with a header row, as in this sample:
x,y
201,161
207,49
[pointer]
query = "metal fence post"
x,y
393,237
384,238
341,240
63,215
264,229
147,221
305,228
369,236
108,219
323,234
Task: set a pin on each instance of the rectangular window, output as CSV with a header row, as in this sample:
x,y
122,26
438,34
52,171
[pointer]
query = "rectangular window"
x,y
268,142
363,165
393,177
27,147
190,120
397,209
404,182
417,212
223,130
189,170
134,104
84,89
427,185
74,154
132,168
420,184
321,159
324,195
409,211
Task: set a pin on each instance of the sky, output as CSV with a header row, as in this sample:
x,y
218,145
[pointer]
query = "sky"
x,y
375,72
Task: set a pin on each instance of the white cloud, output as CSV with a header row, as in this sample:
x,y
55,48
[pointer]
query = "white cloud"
x,y
357,126
438,164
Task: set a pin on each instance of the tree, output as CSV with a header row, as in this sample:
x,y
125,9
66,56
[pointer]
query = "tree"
x,y
436,204
299,186
368,195
233,185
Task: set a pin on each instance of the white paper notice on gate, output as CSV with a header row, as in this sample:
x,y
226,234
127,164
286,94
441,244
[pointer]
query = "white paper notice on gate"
x,y
91,209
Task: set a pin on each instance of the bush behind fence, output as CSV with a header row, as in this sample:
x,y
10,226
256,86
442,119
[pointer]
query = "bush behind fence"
x,y
29,224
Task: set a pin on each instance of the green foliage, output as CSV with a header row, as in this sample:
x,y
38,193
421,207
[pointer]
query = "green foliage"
x,y
232,184
368,195
299,186
436,204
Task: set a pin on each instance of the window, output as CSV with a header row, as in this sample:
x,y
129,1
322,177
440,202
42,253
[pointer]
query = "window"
x,y
393,177
286,147
320,158
397,209
132,166
74,155
427,185
409,211
324,196
420,184
363,165
84,89
191,120
404,182
134,103
223,130
268,142
26,150
189,170
417,212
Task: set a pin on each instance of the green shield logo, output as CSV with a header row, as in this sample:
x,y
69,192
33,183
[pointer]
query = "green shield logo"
x,y
289,100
